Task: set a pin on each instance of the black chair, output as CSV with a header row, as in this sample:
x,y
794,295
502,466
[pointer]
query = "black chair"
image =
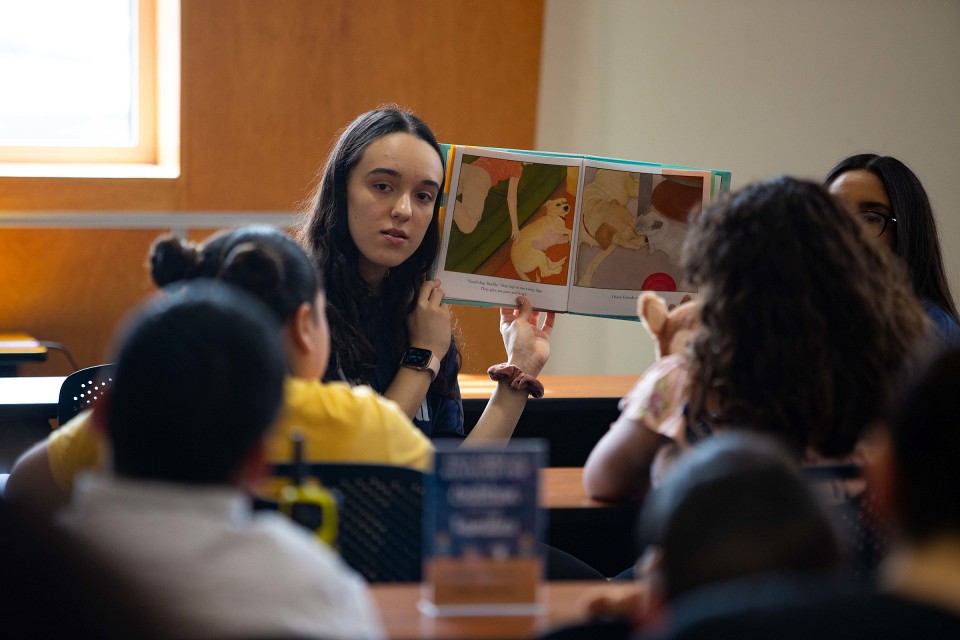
x,y
830,472
560,565
603,629
81,388
380,516
863,535
381,522
862,538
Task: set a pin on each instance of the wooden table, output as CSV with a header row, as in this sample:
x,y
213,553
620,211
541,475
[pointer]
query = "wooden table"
x,y
30,398
602,534
573,414
17,347
26,407
562,488
479,386
564,604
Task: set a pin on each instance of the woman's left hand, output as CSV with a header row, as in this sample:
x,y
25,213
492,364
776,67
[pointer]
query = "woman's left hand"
x,y
526,336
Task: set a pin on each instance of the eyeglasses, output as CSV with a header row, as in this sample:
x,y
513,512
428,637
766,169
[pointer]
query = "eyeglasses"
x,y
875,223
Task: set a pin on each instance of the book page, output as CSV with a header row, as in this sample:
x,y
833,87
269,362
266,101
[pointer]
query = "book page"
x,y
634,220
507,227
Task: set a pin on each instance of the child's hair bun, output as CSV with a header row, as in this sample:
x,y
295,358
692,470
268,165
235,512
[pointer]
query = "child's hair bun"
x,y
172,259
255,269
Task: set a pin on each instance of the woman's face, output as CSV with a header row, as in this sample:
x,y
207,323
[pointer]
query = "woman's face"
x,y
864,195
391,194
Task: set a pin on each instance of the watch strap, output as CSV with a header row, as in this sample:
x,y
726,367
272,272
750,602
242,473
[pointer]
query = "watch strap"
x,y
433,366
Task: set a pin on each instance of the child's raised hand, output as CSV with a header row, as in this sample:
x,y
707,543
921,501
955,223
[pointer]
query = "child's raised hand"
x,y
526,336
429,322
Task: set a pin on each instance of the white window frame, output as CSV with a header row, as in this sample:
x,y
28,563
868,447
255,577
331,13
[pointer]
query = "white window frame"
x,y
157,153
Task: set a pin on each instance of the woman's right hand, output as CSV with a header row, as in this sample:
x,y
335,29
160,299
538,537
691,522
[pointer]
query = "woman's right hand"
x,y
526,336
429,322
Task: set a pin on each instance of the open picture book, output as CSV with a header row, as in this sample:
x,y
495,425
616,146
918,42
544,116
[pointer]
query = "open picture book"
x,y
576,234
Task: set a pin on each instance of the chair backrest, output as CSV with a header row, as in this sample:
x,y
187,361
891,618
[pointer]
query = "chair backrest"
x,y
81,388
862,533
380,518
831,472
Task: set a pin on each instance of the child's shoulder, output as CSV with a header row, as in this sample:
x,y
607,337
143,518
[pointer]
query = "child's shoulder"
x,y
338,399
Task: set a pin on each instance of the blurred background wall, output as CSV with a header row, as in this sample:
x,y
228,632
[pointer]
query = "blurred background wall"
x,y
759,87
266,86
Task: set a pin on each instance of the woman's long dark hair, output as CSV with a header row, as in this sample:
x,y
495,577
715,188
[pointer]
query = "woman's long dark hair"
x,y
918,242
803,322
326,235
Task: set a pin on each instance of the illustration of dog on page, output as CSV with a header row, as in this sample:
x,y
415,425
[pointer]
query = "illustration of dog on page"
x,y
513,220
633,225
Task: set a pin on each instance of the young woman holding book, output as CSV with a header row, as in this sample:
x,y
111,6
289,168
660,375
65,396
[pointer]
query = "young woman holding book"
x,y
801,326
892,204
373,230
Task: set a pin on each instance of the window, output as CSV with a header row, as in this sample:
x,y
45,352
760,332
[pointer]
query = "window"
x,y
92,83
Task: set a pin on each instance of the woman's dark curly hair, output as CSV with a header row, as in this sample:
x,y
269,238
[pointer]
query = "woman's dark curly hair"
x,y
325,234
803,322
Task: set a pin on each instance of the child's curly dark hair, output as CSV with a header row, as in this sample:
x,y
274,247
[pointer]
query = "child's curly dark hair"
x,y
804,322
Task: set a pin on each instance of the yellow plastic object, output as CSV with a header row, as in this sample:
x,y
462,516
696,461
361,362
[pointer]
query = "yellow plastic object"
x,y
313,507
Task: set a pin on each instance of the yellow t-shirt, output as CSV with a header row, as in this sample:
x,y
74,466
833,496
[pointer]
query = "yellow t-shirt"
x,y
73,448
339,423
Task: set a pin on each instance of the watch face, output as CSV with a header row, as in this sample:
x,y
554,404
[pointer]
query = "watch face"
x,y
418,358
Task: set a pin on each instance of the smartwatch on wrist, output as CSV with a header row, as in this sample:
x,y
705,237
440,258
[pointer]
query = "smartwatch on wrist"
x,y
421,360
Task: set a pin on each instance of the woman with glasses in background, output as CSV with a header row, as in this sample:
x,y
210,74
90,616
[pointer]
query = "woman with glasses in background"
x,y
893,206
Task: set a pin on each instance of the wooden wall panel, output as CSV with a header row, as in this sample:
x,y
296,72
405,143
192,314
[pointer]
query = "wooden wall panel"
x,y
265,88
72,286
270,87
